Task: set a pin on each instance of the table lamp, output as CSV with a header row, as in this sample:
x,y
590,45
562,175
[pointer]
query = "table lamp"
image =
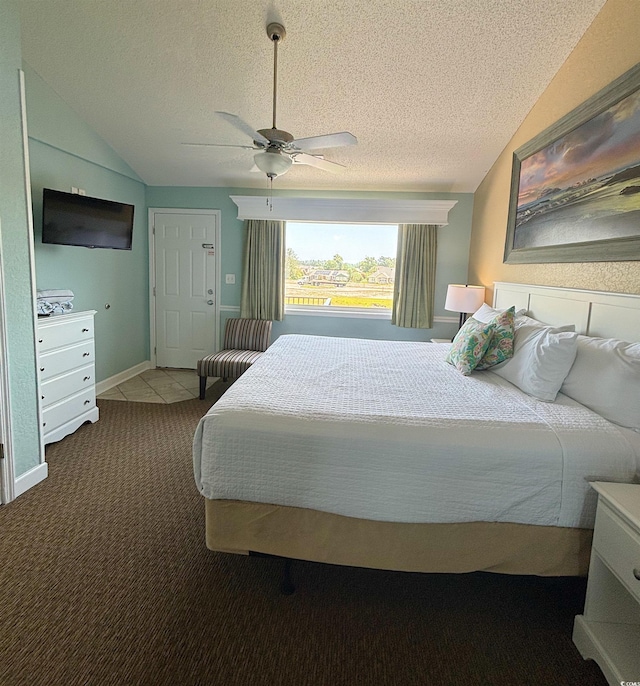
x,y
463,299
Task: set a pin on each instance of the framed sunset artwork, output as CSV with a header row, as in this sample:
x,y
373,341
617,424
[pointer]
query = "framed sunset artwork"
x,y
575,188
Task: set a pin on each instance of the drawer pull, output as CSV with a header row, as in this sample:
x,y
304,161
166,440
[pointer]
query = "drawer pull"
x,y
85,354
87,402
85,330
44,423
636,573
39,340
42,397
41,369
86,378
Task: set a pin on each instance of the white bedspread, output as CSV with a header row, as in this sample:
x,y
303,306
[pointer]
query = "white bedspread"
x,y
389,431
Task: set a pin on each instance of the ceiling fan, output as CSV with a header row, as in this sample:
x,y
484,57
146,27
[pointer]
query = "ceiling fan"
x,y
276,149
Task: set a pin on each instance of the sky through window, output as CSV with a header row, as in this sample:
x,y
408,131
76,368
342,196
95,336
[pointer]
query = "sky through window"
x,y
354,242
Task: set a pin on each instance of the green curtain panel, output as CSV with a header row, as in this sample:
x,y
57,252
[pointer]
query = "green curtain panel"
x,y
263,270
413,291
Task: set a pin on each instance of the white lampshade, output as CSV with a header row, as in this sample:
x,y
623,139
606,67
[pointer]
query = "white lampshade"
x,y
463,298
272,162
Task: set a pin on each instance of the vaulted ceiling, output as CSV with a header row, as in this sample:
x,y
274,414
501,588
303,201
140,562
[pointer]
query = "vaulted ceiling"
x,y
432,89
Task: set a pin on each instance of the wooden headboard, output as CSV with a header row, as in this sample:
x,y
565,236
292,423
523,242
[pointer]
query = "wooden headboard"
x,y
594,313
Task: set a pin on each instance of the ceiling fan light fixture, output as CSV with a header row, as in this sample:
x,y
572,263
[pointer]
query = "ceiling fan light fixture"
x,y
272,163
278,149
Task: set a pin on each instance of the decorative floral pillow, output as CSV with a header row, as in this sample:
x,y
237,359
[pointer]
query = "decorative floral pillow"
x,y
470,345
501,344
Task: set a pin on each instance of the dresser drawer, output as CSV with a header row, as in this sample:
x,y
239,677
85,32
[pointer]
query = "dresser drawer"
x,y
60,361
62,386
66,410
56,334
619,546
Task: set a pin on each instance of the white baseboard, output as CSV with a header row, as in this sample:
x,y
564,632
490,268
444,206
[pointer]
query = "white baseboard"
x,y
29,479
121,377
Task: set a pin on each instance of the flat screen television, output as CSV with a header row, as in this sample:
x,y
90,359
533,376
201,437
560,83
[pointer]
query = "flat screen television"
x,y
72,219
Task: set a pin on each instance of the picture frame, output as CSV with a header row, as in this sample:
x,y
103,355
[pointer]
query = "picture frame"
x,y
575,187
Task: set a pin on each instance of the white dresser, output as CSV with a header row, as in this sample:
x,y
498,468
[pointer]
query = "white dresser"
x,y
66,356
609,630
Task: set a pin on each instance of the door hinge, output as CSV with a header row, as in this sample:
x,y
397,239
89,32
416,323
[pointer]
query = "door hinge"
x,y
153,230
154,291
1,451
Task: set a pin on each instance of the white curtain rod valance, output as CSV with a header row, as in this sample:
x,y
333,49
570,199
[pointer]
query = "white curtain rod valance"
x,y
374,211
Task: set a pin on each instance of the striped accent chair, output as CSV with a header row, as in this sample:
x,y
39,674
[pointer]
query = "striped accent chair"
x,y
244,341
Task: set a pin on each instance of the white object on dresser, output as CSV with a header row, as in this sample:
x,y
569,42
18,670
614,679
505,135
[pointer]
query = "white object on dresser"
x,y
609,630
66,373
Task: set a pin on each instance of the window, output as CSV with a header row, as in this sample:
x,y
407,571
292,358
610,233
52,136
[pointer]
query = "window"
x,y
333,268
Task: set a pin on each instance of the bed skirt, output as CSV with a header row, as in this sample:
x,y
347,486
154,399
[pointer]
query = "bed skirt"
x,y
242,527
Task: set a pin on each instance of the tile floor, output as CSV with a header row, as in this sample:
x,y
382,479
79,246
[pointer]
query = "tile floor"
x,y
158,386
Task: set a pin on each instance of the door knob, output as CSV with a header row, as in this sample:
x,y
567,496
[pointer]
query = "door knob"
x,y
209,302
210,292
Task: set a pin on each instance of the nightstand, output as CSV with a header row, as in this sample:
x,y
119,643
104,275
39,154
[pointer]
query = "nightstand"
x,y
609,630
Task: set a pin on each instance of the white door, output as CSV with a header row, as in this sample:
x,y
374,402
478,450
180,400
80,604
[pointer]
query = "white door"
x,y
185,255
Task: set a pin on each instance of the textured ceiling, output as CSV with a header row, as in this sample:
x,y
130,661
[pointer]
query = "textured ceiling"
x,y
433,89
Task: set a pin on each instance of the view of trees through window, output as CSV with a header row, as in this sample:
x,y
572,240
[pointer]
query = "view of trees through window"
x,y
340,265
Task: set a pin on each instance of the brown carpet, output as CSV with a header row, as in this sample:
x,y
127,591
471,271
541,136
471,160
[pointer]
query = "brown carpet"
x,y
105,579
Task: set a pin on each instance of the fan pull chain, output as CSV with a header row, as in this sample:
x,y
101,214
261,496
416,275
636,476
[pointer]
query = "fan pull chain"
x,y
270,197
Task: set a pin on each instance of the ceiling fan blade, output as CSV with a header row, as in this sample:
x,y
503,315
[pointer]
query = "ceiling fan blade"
x,y
219,145
330,140
334,167
244,127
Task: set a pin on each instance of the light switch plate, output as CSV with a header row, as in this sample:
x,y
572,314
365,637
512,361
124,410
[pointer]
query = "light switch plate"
x,y
230,278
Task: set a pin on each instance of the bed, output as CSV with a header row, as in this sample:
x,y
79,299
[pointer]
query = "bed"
x,y
380,454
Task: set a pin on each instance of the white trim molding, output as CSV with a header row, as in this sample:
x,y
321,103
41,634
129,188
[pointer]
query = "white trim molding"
x,y
37,474
121,377
347,210
6,436
30,478
352,312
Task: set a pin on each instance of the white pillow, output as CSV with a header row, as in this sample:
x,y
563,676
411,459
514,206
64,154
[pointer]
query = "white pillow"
x,y
542,358
523,320
485,313
606,378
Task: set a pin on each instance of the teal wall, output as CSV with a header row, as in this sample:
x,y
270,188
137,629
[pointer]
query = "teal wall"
x,y
15,250
65,152
453,257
